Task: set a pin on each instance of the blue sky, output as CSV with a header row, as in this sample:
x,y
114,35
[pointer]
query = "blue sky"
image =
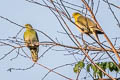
x,y
41,18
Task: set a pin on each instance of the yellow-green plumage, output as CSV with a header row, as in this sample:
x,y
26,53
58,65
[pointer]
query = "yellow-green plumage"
x,y
86,25
31,39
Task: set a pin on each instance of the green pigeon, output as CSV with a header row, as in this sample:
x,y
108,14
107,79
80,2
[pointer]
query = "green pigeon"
x,y
86,25
31,39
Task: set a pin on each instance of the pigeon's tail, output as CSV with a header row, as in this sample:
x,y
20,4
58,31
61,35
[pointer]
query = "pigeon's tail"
x,y
99,32
34,54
